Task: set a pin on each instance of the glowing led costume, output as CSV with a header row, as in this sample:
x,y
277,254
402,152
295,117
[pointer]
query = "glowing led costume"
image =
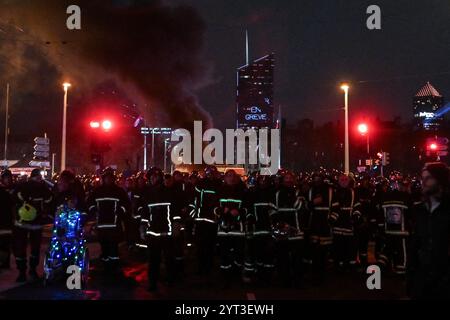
x,y
67,246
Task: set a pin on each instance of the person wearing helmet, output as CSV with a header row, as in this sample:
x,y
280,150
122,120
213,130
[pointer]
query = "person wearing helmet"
x,y
33,200
180,204
110,206
260,255
7,181
288,230
341,220
365,214
394,223
158,226
231,213
205,200
320,199
135,222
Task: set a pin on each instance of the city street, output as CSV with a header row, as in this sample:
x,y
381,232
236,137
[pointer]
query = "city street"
x,y
134,285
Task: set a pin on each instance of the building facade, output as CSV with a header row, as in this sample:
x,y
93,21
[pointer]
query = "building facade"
x,y
426,106
254,95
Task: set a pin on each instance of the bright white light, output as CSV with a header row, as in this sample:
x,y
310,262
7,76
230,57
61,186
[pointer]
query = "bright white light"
x,y
363,128
106,124
66,85
94,124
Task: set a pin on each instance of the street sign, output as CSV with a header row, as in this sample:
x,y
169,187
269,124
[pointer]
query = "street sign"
x,y
42,140
42,147
146,130
369,162
41,154
8,163
40,164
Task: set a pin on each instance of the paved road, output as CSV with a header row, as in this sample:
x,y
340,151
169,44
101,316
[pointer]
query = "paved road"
x,y
134,283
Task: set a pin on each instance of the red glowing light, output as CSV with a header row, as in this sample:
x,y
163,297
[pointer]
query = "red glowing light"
x,y
433,146
363,128
94,124
106,124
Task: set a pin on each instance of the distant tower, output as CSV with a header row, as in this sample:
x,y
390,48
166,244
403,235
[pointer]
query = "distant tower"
x,y
426,104
254,94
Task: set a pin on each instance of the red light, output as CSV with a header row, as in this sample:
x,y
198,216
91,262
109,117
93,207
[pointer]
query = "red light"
x,y
94,124
363,128
106,124
380,155
433,146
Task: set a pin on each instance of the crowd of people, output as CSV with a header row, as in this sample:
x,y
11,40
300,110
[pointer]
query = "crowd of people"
x,y
284,226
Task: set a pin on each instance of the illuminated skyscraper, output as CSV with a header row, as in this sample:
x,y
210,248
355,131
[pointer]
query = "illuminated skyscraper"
x,y
254,96
426,105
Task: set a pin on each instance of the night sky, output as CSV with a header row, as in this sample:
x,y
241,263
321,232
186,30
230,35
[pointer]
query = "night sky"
x,y
319,43
175,64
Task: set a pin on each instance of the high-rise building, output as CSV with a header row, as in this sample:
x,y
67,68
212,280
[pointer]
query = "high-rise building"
x,y
254,96
426,105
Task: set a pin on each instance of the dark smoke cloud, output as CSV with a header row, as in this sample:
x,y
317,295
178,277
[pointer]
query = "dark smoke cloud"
x,y
153,51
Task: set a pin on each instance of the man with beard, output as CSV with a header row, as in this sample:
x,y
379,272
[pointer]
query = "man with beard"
x,y
428,272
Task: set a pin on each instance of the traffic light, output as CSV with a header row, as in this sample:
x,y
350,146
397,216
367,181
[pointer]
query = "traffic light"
x,y
437,146
100,141
385,160
363,128
378,159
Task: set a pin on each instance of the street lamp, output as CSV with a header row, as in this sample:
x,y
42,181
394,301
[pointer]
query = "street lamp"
x,y
364,130
345,87
66,87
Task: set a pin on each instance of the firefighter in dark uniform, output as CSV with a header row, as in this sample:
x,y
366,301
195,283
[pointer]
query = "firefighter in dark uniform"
x,y
394,223
231,213
260,247
205,228
320,199
137,192
6,222
180,205
364,212
110,205
342,220
288,230
33,201
158,220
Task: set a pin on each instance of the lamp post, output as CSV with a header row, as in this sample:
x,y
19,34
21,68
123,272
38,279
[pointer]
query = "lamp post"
x,y
6,125
345,88
66,87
